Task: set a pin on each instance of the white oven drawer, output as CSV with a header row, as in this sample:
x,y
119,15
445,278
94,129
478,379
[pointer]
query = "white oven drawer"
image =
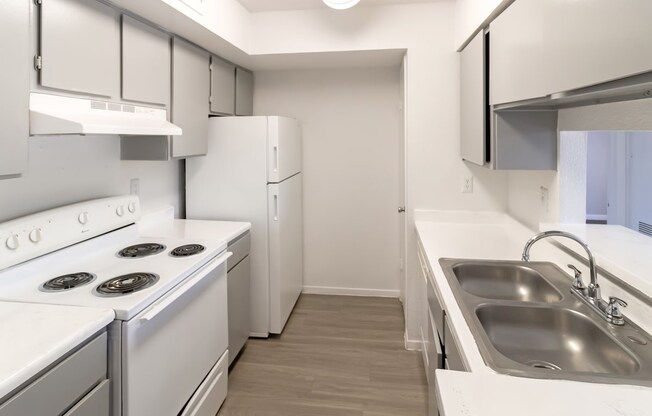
x,y
209,397
169,349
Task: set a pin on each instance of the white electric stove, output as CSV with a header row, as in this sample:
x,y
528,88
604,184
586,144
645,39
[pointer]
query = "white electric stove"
x,y
168,345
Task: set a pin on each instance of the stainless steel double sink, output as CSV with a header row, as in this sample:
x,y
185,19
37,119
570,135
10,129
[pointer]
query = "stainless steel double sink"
x,y
527,323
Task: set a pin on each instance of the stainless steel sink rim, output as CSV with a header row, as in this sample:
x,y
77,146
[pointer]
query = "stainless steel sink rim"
x,y
641,353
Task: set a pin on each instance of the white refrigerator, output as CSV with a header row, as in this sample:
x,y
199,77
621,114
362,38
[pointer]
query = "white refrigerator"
x,y
252,173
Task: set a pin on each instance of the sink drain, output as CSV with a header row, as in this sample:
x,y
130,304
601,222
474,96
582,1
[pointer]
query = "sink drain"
x,y
543,364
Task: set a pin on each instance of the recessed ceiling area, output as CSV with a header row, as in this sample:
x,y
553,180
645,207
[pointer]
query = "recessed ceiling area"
x,y
255,6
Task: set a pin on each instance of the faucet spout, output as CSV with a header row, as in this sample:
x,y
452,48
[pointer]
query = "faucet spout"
x,y
593,291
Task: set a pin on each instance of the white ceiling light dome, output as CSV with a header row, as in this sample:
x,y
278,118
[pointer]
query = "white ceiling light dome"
x,y
341,4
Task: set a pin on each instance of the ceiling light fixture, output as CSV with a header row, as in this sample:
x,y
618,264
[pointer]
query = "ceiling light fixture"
x,y
341,4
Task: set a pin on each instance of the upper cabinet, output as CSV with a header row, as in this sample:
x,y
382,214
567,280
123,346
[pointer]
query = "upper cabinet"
x,y
222,87
145,63
190,96
590,42
14,84
518,70
244,92
80,47
473,101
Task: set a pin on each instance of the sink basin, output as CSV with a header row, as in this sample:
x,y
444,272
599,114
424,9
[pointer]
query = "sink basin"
x,y
554,339
505,281
527,323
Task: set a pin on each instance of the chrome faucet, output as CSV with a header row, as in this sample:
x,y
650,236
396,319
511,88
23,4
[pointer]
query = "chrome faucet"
x,y
591,295
593,290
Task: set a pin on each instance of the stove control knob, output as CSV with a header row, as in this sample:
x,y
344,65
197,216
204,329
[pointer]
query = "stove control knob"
x,y
35,235
12,242
83,218
132,206
120,211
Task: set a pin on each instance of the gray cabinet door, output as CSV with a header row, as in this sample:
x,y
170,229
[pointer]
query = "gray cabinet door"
x,y
14,85
244,92
145,63
222,87
190,95
80,47
473,101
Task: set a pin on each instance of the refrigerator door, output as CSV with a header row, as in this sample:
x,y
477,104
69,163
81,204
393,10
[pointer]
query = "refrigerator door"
x,y
284,151
285,249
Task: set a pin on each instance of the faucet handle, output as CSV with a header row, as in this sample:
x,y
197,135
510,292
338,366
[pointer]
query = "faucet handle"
x,y
614,306
578,283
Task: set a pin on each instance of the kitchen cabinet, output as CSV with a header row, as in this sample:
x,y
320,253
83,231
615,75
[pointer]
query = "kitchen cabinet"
x,y
14,84
80,47
190,95
244,92
590,42
525,140
473,101
76,386
145,63
222,87
517,64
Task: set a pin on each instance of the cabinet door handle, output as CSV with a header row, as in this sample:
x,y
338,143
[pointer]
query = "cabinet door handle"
x,y
276,212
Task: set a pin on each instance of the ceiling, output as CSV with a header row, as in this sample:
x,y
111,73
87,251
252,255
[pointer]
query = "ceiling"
x,y
273,5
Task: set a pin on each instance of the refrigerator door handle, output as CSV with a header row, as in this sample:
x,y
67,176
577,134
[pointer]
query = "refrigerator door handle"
x,y
275,158
275,207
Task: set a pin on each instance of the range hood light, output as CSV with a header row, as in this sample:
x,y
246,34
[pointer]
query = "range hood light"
x,y
341,4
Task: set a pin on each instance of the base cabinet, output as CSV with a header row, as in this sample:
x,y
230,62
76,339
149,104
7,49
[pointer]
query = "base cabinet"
x,y
77,386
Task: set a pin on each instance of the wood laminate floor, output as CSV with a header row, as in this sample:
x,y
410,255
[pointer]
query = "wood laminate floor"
x,y
338,355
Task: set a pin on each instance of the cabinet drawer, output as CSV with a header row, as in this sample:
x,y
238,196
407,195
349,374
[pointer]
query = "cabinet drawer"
x,y
210,395
54,392
240,249
95,403
454,359
433,349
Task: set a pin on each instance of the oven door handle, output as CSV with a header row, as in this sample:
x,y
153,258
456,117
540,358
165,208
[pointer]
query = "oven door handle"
x,y
157,308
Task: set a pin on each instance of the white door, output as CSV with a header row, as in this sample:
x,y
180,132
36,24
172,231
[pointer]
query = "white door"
x,y
284,151
285,249
402,228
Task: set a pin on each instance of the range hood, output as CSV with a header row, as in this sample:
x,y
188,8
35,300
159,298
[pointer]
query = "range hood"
x,y
636,87
54,115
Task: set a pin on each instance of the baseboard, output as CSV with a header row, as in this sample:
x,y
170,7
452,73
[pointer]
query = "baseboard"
x,y
596,217
413,345
349,291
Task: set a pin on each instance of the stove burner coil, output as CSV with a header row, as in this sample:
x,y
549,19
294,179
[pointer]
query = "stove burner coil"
x,y
68,281
141,250
187,250
128,283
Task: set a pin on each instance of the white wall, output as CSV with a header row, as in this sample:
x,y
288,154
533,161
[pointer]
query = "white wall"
x,y
427,32
350,122
469,16
597,175
68,169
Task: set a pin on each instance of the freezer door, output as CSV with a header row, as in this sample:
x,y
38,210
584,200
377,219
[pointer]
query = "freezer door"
x,y
284,148
285,249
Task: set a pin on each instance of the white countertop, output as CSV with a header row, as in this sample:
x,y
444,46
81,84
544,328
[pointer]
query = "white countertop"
x,y
481,235
194,229
470,394
34,336
623,252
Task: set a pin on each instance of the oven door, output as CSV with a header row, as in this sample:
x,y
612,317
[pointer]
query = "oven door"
x,y
169,348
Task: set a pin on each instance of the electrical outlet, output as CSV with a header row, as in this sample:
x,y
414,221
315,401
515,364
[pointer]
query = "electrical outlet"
x,y
134,186
467,184
543,197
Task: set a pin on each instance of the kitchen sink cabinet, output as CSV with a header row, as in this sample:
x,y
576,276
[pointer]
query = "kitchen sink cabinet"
x,y
244,92
190,98
14,84
591,42
76,386
222,87
80,47
517,65
145,63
